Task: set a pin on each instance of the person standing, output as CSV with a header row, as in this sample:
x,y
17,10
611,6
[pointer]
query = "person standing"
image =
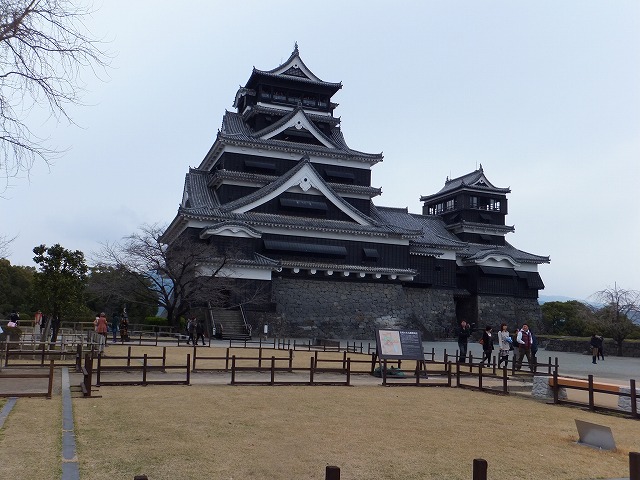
x,y
487,344
463,332
55,326
534,351
594,347
505,345
524,341
600,347
37,326
101,328
115,324
124,328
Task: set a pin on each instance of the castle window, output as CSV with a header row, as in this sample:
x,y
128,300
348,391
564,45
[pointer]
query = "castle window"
x,y
473,202
369,254
451,204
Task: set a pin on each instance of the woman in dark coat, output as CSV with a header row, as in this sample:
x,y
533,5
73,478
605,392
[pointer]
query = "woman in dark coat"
x,y
124,328
487,344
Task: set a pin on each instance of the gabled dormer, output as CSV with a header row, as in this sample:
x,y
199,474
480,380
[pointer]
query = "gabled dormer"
x,y
472,208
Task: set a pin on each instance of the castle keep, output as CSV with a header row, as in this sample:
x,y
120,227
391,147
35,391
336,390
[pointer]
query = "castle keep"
x,y
283,191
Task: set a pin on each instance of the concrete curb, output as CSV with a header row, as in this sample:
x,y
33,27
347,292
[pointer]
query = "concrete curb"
x,y
70,467
6,410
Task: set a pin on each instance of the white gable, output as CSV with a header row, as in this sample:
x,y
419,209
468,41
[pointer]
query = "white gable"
x,y
296,62
307,179
300,122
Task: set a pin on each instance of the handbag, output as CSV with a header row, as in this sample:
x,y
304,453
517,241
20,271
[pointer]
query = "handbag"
x,y
481,341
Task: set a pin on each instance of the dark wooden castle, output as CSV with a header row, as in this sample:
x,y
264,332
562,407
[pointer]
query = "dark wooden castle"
x,y
281,187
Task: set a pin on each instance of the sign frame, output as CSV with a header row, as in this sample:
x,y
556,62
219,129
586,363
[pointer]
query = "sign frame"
x,y
399,344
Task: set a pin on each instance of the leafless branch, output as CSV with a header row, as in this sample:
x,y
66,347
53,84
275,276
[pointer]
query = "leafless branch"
x,y
44,48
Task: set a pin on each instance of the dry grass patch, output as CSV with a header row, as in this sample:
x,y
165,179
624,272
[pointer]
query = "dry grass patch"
x,y
283,433
31,439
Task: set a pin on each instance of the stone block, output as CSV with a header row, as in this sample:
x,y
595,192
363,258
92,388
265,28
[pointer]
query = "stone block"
x,y
542,389
624,403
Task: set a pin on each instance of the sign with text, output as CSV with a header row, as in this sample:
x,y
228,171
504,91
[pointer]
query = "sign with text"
x,y
399,344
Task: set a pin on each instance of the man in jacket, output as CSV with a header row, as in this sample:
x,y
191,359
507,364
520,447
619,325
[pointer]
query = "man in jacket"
x,y
463,332
525,343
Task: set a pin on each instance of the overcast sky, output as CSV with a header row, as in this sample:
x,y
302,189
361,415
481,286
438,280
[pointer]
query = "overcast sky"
x,y
544,94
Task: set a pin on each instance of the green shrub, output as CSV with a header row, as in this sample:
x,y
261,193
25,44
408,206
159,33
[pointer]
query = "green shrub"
x,y
156,321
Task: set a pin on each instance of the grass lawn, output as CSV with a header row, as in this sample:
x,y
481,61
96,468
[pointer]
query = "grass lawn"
x,y
290,433
286,433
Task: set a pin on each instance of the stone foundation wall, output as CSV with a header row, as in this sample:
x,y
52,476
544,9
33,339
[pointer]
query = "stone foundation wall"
x,y
494,310
353,310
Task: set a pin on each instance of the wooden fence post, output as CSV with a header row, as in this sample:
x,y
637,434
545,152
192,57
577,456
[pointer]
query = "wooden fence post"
x,y
634,465
188,371
98,370
505,384
273,370
311,370
332,473
591,402
633,398
480,468
50,387
348,371
144,370
78,357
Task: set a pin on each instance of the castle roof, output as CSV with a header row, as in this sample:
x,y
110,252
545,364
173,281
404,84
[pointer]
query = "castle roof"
x,y
475,180
293,69
235,131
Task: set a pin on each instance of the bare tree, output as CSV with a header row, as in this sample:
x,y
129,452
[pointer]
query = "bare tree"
x,y
620,306
4,245
173,277
44,47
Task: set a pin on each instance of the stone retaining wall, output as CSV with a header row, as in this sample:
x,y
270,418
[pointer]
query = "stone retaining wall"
x,y
354,310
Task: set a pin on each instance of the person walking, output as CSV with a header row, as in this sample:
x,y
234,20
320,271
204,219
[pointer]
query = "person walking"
x,y
600,347
505,345
191,330
463,332
594,348
199,332
487,344
525,341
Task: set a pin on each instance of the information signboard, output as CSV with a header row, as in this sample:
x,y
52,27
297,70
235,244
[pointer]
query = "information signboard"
x,y
399,344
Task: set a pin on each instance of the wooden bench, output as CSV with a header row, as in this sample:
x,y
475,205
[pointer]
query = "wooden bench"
x,y
581,384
